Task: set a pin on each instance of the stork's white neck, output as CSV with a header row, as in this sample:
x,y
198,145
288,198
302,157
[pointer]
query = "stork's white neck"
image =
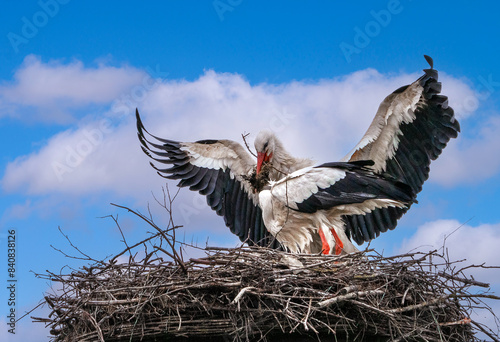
x,y
284,164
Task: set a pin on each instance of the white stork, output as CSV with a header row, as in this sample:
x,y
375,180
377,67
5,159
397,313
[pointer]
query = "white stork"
x,y
313,209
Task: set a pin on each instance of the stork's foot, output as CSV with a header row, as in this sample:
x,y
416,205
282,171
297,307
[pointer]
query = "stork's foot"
x,y
339,246
324,244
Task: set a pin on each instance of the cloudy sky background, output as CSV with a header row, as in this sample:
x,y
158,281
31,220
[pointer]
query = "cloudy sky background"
x,y
72,75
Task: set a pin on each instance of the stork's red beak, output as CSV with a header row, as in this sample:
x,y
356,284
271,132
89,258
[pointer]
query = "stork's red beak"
x,y
261,159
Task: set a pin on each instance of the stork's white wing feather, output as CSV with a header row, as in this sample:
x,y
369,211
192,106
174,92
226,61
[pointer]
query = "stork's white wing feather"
x,y
381,140
337,184
303,183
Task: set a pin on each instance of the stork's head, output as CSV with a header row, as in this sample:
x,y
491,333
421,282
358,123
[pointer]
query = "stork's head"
x,y
265,145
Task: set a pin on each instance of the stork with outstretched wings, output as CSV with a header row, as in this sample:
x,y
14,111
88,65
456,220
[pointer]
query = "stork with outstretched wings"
x,y
313,209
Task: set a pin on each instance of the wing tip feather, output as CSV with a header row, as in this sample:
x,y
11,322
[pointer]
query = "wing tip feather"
x,y
429,60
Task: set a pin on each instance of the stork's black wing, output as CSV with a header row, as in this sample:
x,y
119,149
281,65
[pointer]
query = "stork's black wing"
x,y
217,169
411,128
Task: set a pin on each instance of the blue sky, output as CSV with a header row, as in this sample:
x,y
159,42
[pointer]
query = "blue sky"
x,y
315,72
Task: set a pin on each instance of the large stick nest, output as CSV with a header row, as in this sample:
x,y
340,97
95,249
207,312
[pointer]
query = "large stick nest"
x,y
260,294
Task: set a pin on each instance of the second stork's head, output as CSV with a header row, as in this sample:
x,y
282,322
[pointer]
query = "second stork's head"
x,y
265,145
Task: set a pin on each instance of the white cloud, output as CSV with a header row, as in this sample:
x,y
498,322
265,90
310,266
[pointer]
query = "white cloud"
x,y
19,211
49,89
25,329
462,97
321,120
477,245
82,161
471,159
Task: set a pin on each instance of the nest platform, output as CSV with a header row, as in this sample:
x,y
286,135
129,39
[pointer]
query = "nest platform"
x,y
260,294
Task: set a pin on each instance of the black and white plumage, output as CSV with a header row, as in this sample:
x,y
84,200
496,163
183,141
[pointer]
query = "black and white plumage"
x,y
218,169
305,209
411,128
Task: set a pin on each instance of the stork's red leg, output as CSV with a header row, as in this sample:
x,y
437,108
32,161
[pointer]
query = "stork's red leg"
x,y
338,243
325,247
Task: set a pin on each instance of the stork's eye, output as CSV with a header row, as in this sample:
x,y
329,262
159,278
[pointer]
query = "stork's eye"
x,y
265,146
